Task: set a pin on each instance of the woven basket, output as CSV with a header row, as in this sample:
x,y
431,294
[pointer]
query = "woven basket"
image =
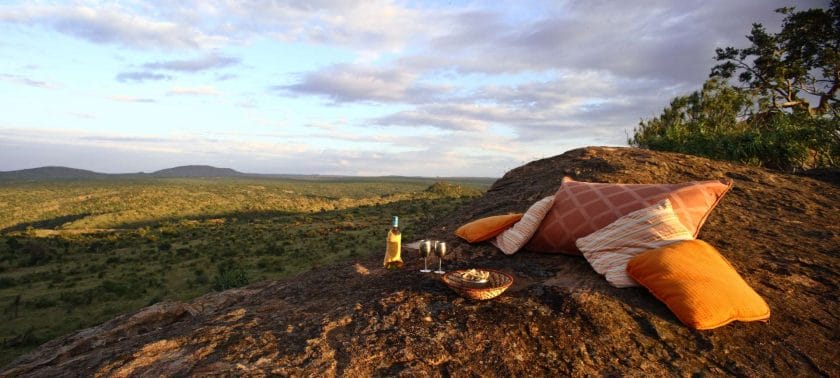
x,y
496,284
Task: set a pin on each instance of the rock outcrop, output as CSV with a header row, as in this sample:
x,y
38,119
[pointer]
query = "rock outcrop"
x,y
781,232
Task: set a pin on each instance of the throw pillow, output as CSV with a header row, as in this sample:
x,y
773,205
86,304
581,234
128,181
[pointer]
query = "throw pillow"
x,y
486,228
514,238
699,286
581,208
609,249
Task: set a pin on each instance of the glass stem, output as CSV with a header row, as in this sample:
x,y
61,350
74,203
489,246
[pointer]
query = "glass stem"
x,y
425,263
440,261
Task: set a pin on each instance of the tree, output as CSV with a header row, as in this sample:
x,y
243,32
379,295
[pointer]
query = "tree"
x,y
714,108
769,121
804,58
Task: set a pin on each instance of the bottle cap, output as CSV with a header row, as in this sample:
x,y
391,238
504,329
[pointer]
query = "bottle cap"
x,y
396,222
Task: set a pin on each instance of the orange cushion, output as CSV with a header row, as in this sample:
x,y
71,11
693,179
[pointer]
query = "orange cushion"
x,y
486,228
699,286
581,208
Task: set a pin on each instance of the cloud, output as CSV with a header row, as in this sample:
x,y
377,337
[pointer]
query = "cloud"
x,y
447,117
110,24
352,83
503,79
141,76
369,26
208,62
124,98
194,65
591,101
195,91
82,115
18,79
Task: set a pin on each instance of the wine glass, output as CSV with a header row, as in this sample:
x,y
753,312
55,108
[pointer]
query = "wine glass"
x,y
440,251
425,251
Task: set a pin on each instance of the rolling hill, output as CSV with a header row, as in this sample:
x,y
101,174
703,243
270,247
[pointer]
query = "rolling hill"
x,y
197,171
207,171
50,173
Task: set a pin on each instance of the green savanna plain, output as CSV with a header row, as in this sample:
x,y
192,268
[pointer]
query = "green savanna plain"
x,y
75,253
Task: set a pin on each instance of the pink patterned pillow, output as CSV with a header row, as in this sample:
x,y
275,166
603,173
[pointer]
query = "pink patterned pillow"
x,y
609,249
514,238
581,208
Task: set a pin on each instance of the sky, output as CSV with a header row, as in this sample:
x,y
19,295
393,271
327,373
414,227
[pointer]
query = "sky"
x,y
336,87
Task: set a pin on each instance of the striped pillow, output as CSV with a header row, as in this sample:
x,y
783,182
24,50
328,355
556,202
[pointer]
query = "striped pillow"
x,y
514,238
609,249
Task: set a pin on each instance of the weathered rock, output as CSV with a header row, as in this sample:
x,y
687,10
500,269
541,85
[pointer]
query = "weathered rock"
x,y
782,233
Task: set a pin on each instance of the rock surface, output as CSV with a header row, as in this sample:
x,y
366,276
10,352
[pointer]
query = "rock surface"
x,y
781,232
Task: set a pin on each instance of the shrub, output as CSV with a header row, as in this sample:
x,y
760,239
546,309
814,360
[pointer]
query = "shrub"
x,y
6,282
38,254
706,123
229,275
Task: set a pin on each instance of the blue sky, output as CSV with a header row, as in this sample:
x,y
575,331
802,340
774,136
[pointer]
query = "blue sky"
x,y
339,87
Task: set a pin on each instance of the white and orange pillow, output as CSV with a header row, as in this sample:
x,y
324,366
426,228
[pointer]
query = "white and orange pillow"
x,y
609,249
514,238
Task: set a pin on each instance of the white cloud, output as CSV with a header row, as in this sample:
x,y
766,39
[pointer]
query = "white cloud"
x,y
110,24
23,80
207,62
549,74
138,77
205,90
371,27
125,98
349,83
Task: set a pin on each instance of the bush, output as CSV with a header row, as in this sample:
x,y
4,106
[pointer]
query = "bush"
x,y
6,282
229,275
38,254
706,123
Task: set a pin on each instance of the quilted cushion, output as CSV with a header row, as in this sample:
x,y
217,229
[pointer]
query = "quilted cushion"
x,y
581,208
486,228
609,249
699,286
514,238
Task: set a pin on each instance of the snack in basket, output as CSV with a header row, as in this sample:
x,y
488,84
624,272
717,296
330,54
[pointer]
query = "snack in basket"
x,y
475,275
492,286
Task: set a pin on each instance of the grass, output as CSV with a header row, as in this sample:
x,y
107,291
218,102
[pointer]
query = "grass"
x,y
76,253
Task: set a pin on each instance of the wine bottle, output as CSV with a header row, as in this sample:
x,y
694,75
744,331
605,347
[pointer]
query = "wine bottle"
x,y
393,260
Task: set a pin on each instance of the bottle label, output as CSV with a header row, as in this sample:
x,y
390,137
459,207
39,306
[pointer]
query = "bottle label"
x,y
393,258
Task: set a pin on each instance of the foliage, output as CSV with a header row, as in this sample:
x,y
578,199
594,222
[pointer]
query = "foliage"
x,y
748,124
452,190
179,239
131,203
804,58
229,276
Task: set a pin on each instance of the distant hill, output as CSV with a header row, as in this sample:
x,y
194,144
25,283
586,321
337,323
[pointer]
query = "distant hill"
x,y
196,171
47,173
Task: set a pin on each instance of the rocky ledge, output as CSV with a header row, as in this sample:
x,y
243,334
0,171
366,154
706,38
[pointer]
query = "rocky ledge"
x,y
780,231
